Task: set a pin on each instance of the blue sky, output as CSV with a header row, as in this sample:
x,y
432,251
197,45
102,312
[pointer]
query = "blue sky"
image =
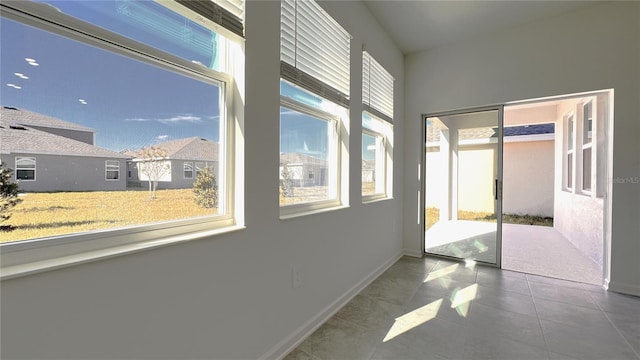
x,y
130,104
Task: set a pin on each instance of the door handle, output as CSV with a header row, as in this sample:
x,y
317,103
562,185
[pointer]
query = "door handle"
x,y
495,189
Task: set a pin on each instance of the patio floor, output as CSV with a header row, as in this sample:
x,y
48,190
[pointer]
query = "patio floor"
x,y
530,249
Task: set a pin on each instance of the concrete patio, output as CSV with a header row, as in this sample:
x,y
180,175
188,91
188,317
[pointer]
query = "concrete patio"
x,y
530,249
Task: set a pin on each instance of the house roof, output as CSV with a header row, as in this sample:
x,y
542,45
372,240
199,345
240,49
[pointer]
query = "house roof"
x,y
16,138
297,158
193,148
484,133
17,116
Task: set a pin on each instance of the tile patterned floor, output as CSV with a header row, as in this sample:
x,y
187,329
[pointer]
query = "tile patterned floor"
x,y
439,309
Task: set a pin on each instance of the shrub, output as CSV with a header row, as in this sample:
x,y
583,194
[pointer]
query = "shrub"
x,y
8,192
286,188
205,189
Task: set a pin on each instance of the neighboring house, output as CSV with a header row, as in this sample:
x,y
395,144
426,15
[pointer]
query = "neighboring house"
x,y
305,170
184,160
49,154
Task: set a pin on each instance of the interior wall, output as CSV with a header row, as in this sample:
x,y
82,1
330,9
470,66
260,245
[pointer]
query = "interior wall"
x,y
542,59
228,296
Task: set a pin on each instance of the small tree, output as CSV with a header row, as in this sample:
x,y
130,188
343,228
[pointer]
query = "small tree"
x,y
205,189
153,163
286,188
8,192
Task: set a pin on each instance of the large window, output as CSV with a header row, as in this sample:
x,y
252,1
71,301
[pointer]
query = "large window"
x,y
377,131
148,84
313,107
25,168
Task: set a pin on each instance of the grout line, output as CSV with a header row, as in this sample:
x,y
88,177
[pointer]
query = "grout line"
x,y
614,326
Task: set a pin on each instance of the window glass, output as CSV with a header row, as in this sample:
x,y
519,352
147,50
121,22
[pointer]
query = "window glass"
x,y
586,169
25,168
87,109
150,23
308,160
587,115
112,170
188,170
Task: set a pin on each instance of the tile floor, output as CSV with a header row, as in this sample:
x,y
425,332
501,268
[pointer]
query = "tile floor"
x,y
439,309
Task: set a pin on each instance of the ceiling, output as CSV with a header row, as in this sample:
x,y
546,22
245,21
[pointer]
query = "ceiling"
x,y
417,25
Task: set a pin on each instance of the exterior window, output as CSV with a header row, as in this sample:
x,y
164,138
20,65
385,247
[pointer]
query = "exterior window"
x,y
112,169
164,101
570,163
199,167
25,168
188,170
587,144
313,107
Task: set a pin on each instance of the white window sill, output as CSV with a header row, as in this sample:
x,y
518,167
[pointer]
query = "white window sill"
x,y
26,258
294,211
368,199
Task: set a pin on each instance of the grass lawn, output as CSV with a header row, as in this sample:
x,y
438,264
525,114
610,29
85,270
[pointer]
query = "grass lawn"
x,y
432,216
48,214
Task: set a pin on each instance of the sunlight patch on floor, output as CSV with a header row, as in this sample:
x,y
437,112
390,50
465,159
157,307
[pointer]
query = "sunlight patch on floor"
x,y
413,319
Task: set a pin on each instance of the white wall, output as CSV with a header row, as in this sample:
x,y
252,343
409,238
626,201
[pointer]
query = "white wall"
x,y
229,296
540,59
528,169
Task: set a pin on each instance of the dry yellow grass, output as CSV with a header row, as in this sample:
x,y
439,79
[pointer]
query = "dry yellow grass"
x,y
49,214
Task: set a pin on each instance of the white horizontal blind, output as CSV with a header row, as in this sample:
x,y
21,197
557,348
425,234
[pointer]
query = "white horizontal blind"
x,y
226,13
316,48
377,88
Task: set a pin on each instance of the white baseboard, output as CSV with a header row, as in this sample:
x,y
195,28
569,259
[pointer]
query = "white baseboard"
x,y
413,253
285,346
623,288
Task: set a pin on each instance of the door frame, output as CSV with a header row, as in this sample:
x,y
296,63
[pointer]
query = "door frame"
x,y
422,173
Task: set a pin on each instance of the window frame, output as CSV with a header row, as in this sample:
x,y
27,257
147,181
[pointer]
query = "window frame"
x,y
18,168
334,141
184,170
380,170
570,152
107,170
587,147
25,257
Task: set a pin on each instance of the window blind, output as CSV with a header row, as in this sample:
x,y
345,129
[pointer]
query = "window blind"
x,y
314,50
226,13
377,88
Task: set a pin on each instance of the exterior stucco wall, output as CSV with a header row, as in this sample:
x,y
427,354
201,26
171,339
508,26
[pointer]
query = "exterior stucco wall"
x,y
578,216
68,173
528,169
174,180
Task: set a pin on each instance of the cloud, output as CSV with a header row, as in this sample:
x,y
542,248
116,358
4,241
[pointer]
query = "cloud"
x,y
172,120
162,137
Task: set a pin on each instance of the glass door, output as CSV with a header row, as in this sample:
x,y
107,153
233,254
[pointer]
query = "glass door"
x,y
462,185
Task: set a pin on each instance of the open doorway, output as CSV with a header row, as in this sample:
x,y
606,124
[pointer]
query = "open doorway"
x,y
554,187
551,187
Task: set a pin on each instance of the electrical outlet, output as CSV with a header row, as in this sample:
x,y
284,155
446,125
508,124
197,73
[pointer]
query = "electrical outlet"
x,y
296,276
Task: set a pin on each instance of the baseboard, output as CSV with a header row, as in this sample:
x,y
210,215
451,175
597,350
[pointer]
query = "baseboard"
x,y
413,253
623,288
285,346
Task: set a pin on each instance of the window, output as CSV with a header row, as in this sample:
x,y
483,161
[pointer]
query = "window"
x,y
377,131
587,144
112,169
570,152
199,167
25,168
165,82
187,169
313,107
